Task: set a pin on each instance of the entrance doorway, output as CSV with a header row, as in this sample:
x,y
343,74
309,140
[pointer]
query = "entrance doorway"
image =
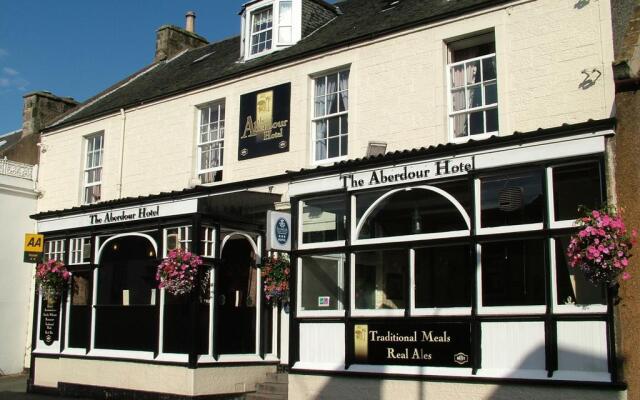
x,y
236,298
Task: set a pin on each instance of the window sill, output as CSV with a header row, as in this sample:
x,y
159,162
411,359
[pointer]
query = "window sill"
x,y
321,245
437,312
320,313
510,229
512,310
481,136
328,161
580,309
377,313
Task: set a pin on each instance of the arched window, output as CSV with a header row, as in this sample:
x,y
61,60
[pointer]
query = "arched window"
x,y
412,211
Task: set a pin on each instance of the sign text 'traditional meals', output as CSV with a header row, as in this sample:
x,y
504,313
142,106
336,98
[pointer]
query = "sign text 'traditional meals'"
x,y
408,173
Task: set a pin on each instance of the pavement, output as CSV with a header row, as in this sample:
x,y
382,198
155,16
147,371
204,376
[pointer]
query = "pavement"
x,y
14,387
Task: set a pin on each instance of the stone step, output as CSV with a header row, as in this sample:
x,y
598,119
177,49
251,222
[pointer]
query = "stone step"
x,y
272,388
264,396
280,377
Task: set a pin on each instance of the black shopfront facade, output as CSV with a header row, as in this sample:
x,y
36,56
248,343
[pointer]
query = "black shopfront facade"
x,y
448,264
113,325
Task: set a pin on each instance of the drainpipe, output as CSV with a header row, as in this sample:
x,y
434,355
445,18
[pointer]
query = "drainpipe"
x,y
124,124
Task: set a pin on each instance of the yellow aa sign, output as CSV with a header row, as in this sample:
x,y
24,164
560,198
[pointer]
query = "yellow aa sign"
x,y
33,243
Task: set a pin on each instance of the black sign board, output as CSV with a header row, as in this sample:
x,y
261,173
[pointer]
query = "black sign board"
x,y
49,320
441,344
264,122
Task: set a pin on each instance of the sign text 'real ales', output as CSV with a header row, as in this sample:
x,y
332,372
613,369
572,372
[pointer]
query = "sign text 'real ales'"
x,y
423,171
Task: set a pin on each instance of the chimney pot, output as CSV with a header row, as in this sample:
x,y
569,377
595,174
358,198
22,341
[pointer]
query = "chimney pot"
x,y
190,22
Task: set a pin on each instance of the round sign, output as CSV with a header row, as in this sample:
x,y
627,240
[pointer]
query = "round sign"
x,y
282,230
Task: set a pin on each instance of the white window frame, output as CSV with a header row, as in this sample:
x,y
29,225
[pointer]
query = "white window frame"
x,y
477,185
325,117
208,241
428,311
498,310
553,223
221,110
90,149
276,43
340,312
54,250
356,226
316,245
76,250
358,312
183,238
567,308
472,42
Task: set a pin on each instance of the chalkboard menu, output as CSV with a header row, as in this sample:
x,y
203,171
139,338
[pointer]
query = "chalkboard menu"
x,y
442,344
49,321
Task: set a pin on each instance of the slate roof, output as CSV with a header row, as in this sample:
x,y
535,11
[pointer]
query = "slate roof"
x,y
356,21
9,139
348,165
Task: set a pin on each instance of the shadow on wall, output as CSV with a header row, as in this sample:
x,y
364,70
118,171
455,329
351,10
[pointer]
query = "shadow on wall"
x,y
358,388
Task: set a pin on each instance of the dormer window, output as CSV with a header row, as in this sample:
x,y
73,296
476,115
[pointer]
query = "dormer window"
x,y
261,30
272,25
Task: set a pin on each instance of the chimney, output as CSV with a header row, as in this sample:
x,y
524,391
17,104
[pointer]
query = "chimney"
x,y
42,108
171,40
39,110
190,24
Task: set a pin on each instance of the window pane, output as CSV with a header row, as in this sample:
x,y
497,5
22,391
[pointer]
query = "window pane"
x,y
285,13
458,101
380,279
512,200
490,94
344,124
475,96
489,68
321,282
513,273
334,126
80,309
459,125
332,103
443,277
334,147
323,219
409,212
573,186
344,149
321,129
457,76
473,72
476,120
492,120
573,287
284,34
321,149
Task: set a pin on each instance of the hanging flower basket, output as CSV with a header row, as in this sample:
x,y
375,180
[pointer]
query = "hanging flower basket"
x,y
602,246
52,278
177,273
275,279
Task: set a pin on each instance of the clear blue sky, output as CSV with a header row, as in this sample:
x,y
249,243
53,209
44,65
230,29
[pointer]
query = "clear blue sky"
x,y
77,48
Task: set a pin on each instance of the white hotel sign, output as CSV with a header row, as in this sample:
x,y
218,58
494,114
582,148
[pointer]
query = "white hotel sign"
x,y
408,173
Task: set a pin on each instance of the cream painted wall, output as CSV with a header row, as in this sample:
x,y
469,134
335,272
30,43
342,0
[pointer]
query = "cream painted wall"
x,y
17,202
303,387
398,95
148,377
